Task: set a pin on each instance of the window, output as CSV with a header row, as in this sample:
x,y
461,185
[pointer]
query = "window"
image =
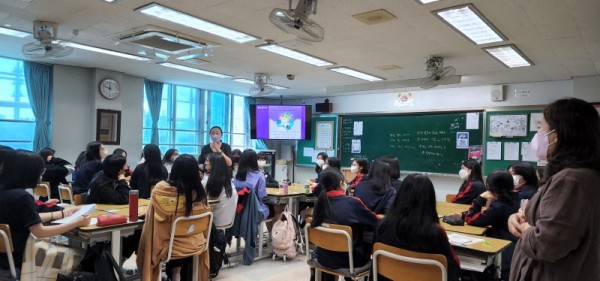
x,y
186,115
16,116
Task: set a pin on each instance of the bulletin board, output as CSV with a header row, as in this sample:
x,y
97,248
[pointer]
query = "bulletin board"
x,y
324,138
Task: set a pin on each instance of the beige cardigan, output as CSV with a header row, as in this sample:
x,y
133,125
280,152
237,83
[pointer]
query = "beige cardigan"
x,y
154,241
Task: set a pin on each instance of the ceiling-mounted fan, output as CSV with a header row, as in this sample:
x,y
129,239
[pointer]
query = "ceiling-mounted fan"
x,y
438,74
261,86
296,21
47,46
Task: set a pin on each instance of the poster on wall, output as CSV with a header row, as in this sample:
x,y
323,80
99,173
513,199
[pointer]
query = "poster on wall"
x,y
508,126
462,140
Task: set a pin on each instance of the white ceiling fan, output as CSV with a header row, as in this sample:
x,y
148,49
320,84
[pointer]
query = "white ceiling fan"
x,y
47,45
438,74
261,86
296,21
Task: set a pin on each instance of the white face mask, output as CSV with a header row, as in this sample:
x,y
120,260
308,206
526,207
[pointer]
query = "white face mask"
x,y
354,169
463,174
320,162
325,166
262,163
516,180
215,137
205,180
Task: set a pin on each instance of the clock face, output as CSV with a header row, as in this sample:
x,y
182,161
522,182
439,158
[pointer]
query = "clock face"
x,y
109,88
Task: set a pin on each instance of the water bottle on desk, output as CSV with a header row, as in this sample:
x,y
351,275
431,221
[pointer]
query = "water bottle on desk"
x,y
133,205
285,187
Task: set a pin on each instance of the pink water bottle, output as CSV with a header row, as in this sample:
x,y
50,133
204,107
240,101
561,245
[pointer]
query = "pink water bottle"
x,y
285,187
133,205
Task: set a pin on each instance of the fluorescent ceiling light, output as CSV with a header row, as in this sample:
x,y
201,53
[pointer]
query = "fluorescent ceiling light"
x,y
356,74
293,54
108,52
248,81
196,70
422,1
168,14
509,55
471,23
12,32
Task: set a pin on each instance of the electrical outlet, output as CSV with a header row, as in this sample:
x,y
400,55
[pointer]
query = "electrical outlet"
x,y
522,93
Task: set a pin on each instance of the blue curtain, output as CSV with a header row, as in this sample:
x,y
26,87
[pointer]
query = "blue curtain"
x,y
255,144
38,79
154,96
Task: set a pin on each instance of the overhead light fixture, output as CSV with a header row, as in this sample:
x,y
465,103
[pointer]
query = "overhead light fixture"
x,y
196,70
293,54
168,14
427,1
248,81
357,74
13,32
108,52
509,55
467,20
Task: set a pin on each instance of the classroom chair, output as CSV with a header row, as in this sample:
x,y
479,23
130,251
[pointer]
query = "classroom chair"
x,y
400,264
65,192
42,189
450,197
79,199
334,237
6,247
189,226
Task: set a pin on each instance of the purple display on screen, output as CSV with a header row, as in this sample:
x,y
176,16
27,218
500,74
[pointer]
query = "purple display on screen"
x,y
280,122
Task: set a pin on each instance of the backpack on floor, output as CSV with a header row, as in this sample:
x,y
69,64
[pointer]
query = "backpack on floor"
x,y
283,237
217,255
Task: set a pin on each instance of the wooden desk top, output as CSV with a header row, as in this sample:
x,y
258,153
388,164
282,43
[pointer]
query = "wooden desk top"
x,y
294,189
489,245
445,208
104,207
467,229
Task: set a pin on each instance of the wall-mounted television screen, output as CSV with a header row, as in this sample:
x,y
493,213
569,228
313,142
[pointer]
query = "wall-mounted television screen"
x,y
280,122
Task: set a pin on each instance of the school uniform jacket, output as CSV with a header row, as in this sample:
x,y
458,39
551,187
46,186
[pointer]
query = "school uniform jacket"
x,y
526,192
104,190
563,242
470,192
356,180
378,203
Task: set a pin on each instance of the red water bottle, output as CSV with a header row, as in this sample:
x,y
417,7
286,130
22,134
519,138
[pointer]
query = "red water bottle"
x,y
285,187
133,205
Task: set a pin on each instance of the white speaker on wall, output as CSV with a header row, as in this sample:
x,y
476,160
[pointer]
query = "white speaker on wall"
x,y
497,92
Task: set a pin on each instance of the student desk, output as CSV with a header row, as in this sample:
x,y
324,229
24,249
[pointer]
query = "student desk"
x,y
295,192
478,256
445,208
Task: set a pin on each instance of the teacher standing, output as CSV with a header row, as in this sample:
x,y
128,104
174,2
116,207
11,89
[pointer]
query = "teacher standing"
x,y
560,226
216,146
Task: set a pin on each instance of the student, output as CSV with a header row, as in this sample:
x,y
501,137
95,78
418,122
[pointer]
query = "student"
x,y
219,186
269,180
169,158
235,160
122,152
472,186
181,195
17,207
377,192
394,170
321,158
148,173
333,206
558,229
92,163
334,162
110,186
501,202
215,146
56,170
525,179
250,176
360,167
412,223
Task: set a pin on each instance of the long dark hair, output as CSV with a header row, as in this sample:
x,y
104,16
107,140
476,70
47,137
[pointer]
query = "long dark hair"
x,y
526,170
92,152
248,163
185,176
220,177
152,168
324,156
330,180
577,126
379,177
500,183
45,152
112,165
394,165
413,216
334,162
475,173
364,163
168,155
120,151
24,170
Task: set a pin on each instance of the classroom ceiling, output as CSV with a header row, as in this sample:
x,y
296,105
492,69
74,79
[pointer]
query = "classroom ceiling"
x,y
561,37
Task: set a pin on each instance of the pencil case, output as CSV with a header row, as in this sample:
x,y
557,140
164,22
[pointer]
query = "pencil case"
x,y
110,219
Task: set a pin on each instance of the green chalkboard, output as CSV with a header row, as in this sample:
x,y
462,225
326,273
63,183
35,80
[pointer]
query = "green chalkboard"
x,y
425,142
503,163
306,148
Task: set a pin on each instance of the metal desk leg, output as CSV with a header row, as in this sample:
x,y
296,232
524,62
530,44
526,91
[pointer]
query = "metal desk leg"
x,y
498,264
115,245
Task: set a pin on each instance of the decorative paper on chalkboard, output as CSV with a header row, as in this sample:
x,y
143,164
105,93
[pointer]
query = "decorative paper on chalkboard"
x,y
535,121
324,135
508,126
462,140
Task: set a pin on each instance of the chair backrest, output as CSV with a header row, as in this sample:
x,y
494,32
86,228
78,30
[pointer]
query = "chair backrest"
x,y
6,246
332,237
65,192
450,197
188,226
42,189
395,263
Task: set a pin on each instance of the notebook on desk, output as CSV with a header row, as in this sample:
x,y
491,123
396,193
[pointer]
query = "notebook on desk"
x,y
83,210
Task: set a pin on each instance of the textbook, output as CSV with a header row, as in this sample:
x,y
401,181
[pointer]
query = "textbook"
x,y
461,240
83,210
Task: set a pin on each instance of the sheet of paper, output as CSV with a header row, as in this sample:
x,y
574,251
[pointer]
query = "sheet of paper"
x,y
494,150
356,146
462,140
324,138
458,239
511,151
472,120
83,210
527,153
535,121
358,128
308,152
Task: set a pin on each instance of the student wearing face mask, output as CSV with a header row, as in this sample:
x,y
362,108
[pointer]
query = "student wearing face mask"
x,y
235,160
524,178
215,146
360,167
472,186
558,228
262,161
169,158
321,158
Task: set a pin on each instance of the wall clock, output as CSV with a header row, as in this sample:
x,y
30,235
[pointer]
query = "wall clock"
x,y
109,89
